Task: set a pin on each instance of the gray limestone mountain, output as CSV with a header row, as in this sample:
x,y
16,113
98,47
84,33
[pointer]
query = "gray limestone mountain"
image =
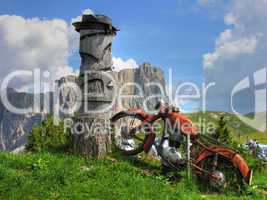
x,y
15,127
148,81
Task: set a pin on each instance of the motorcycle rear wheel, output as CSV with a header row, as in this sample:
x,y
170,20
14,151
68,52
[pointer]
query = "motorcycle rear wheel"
x,y
233,180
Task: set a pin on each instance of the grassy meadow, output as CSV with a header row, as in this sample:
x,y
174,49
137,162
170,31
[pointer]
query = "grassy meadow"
x,y
60,176
47,175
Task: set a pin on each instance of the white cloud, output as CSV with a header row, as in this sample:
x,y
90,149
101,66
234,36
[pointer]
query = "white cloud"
x,y
76,19
225,37
230,19
28,44
226,49
120,64
239,51
87,11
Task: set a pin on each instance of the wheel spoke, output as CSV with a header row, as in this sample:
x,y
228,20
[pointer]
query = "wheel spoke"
x,y
130,130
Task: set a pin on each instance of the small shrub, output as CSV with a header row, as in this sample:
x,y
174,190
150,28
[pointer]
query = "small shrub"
x,y
48,136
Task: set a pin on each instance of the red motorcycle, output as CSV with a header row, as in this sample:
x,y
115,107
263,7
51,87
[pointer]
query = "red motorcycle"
x,y
220,166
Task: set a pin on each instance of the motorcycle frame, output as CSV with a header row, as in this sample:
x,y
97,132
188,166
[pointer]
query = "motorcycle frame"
x,y
205,151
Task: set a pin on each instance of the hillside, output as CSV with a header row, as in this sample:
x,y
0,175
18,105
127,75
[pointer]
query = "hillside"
x,y
241,131
66,176
58,176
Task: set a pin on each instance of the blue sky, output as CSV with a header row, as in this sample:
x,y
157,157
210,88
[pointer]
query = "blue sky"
x,y
220,41
169,35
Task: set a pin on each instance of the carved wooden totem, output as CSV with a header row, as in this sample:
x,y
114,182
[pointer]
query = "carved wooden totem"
x,y
97,83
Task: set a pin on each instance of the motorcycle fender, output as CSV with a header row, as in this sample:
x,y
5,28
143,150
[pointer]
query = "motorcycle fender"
x,y
242,165
232,156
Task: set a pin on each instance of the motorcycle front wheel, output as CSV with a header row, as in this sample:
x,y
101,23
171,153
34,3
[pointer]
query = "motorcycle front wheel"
x,y
129,136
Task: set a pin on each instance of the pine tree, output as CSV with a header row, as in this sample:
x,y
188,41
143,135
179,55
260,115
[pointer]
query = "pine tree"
x,y
223,135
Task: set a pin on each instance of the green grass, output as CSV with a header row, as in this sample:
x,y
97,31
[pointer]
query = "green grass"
x,y
62,176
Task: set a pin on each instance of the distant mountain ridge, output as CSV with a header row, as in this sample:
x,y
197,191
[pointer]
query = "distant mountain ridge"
x,y
15,127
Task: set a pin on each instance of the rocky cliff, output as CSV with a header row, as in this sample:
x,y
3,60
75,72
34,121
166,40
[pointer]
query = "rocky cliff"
x,y
140,84
15,127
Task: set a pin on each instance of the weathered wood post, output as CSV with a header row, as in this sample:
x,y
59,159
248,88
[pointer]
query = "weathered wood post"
x,y
189,176
98,85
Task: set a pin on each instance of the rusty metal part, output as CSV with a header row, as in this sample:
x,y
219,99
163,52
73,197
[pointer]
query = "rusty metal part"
x,y
235,158
188,128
